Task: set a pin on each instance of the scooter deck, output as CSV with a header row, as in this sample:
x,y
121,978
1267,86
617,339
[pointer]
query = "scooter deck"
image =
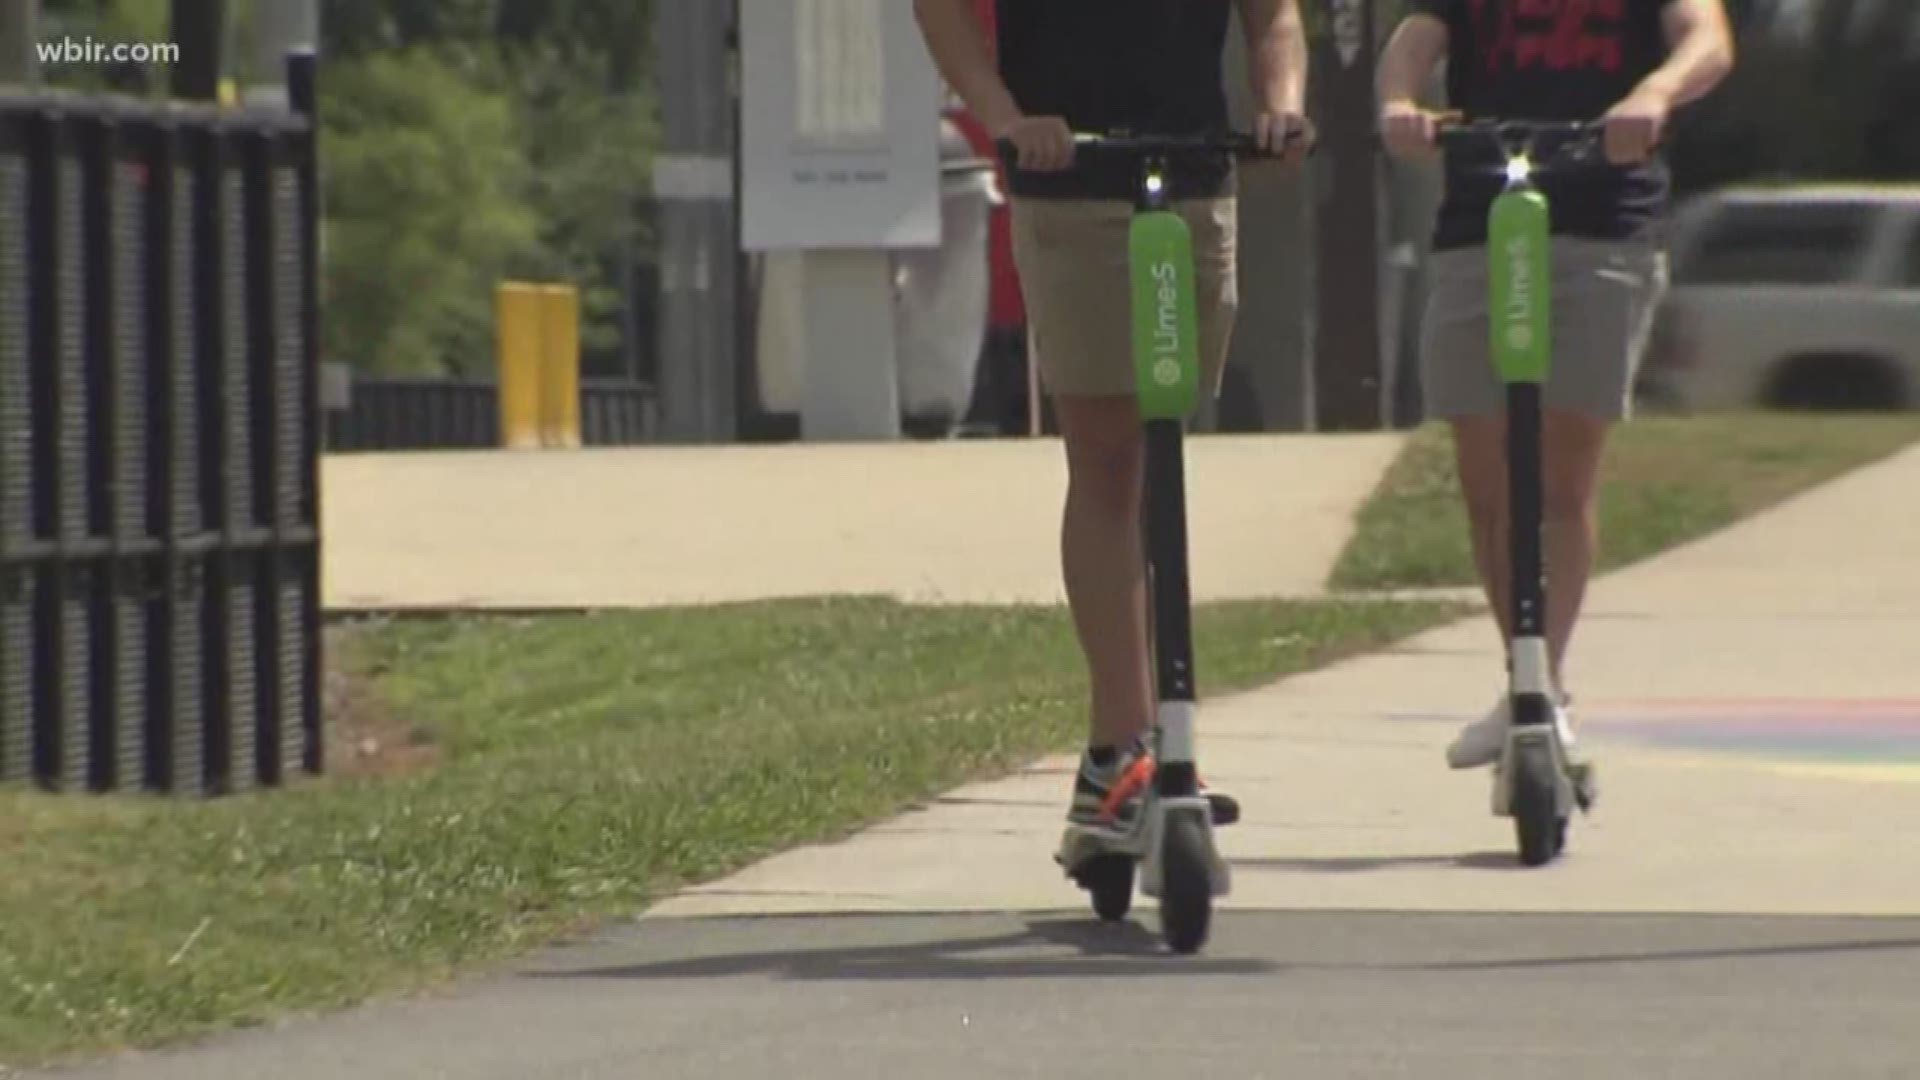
x,y
1080,844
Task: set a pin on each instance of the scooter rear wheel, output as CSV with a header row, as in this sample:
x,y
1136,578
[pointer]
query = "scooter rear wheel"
x,y
1109,879
1186,901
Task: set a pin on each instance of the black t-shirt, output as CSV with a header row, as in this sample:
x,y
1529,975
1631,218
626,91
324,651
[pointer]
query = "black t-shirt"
x,y
1550,60
1144,66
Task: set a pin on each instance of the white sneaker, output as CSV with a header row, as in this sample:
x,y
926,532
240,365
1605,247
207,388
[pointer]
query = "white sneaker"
x,y
1482,741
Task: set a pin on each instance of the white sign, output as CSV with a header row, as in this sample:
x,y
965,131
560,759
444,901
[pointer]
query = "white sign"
x,y
840,126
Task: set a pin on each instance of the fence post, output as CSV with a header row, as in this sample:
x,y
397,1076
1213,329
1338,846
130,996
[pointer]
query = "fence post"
x,y
16,466
303,66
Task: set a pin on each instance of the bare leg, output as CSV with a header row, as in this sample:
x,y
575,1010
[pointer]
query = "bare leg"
x,y
1480,456
1103,561
1573,444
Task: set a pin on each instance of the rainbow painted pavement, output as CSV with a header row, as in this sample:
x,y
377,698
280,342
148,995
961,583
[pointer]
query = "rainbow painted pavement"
x,y
1861,739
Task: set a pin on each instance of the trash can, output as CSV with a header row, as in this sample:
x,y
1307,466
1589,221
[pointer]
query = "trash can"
x,y
941,295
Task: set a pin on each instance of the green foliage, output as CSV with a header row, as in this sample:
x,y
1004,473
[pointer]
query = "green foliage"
x,y
589,152
565,136
425,183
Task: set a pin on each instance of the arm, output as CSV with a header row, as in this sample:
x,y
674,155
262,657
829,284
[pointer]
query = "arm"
x,y
1416,48
960,50
1276,54
959,46
1700,54
1277,68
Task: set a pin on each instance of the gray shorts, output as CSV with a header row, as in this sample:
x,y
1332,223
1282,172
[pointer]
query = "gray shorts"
x,y
1604,297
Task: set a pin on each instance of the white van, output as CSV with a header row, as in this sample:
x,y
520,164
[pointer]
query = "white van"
x,y
1804,297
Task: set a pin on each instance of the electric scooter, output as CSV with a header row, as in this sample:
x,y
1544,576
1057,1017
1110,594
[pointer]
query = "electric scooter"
x,y
1171,840
1534,782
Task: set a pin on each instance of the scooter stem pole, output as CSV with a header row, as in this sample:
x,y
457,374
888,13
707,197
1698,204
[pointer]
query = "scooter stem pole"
x,y
1524,486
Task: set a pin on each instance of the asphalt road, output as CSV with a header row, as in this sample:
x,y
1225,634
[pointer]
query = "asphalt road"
x,y
1283,994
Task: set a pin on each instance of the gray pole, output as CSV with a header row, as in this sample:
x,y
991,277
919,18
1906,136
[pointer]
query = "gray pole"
x,y
1347,357
19,32
699,244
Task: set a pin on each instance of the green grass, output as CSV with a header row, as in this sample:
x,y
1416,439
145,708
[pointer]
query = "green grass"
x,y
537,775
1664,482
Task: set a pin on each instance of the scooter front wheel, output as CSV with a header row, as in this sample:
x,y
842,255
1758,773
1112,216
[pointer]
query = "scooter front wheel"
x,y
1186,901
1538,824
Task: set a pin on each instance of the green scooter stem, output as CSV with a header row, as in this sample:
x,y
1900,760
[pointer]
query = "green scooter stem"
x,y
1520,295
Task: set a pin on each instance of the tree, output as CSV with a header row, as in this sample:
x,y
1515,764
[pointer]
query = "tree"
x,y
589,152
425,214
574,73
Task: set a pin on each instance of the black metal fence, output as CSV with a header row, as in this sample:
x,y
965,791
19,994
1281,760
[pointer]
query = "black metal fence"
x,y
397,413
159,435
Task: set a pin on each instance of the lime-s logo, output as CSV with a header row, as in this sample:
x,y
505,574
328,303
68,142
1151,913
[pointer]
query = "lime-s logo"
x,y
1520,293
1166,333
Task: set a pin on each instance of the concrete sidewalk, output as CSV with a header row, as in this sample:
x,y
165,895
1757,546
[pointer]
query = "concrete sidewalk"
x,y
1754,701
953,521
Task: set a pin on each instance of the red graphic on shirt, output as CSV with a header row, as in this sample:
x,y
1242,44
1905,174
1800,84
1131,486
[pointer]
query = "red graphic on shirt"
x,y
1557,35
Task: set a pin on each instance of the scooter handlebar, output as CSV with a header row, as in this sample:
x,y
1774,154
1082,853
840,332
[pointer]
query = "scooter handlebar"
x,y
1511,131
1239,144
1565,143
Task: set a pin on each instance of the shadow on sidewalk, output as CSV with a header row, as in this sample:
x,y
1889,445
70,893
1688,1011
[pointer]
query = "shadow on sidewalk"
x,y
1478,860
1046,949
930,948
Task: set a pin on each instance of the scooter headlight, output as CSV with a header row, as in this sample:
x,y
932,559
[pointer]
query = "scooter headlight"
x,y
1519,169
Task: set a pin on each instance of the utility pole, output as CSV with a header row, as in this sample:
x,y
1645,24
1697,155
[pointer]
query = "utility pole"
x,y
695,185
19,33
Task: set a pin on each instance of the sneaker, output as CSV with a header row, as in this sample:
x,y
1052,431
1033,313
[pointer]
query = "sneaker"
x,y
1109,796
1482,741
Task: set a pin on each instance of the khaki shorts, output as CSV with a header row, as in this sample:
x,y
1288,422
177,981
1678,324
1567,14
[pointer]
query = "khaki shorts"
x,y
1072,259
1604,297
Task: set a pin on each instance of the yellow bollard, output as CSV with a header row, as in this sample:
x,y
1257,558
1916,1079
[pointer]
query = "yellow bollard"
x,y
519,341
560,366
